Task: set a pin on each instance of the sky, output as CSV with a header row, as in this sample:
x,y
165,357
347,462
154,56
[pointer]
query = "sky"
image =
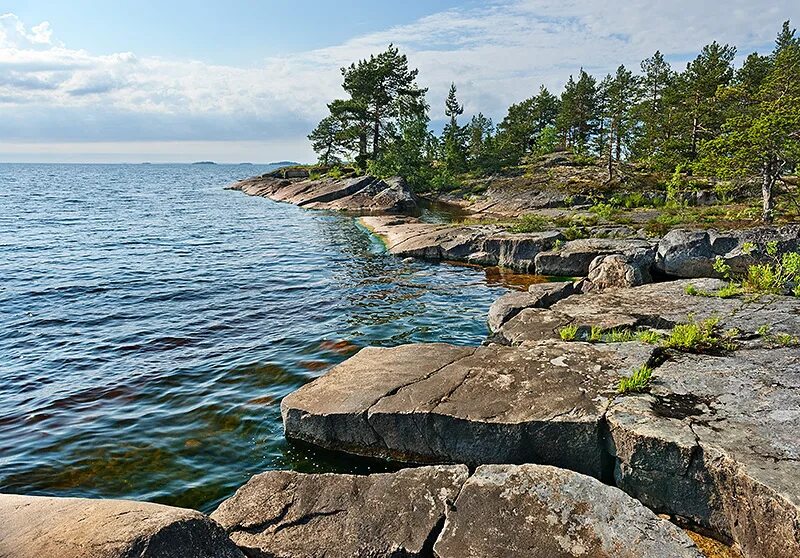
x,y
246,81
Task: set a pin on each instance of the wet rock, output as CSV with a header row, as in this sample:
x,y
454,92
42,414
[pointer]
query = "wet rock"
x,y
540,295
716,442
38,527
575,257
534,510
492,404
616,271
283,514
685,253
360,194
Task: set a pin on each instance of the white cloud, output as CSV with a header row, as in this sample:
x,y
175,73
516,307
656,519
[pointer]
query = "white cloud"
x,y
496,54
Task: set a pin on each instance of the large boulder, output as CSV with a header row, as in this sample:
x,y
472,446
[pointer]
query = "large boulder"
x,y
616,271
283,514
715,441
574,258
543,403
534,510
687,253
39,527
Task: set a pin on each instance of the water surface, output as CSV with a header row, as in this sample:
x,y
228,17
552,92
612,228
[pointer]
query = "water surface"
x,y
150,323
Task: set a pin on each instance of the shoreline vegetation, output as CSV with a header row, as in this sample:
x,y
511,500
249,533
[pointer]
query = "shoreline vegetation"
x,y
646,404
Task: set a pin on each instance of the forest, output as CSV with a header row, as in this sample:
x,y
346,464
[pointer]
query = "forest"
x,y
711,119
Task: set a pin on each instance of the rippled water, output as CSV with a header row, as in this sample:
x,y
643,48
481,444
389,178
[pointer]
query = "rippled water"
x,y
150,323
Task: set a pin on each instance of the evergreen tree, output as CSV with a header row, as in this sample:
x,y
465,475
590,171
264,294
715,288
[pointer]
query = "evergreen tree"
x,y
623,95
479,138
655,113
700,81
577,117
453,135
519,130
763,136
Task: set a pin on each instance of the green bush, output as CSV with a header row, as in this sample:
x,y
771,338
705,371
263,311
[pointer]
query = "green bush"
x,y
530,223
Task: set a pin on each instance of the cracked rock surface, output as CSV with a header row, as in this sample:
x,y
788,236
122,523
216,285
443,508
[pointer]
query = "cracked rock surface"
x,y
500,511
283,514
659,305
716,441
492,404
510,511
44,527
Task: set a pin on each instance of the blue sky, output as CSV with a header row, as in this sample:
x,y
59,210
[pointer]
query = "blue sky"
x,y
246,80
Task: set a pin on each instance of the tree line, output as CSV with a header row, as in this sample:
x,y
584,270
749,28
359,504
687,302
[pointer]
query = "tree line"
x,y
711,118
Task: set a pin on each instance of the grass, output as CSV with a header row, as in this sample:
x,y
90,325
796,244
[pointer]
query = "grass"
x,y
699,337
649,336
596,334
568,333
620,336
636,382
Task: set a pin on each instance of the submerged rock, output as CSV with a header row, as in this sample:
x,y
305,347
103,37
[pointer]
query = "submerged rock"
x,y
492,404
534,510
360,194
283,514
39,527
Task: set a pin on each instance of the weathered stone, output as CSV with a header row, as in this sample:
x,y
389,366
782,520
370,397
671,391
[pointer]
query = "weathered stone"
x,y
658,305
39,527
492,404
486,245
684,253
615,271
716,442
540,295
360,194
575,257
282,514
534,510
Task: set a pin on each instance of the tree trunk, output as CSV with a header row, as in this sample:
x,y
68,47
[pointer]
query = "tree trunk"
x,y
610,151
376,137
767,187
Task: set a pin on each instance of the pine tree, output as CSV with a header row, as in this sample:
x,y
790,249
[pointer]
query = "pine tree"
x,y
453,135
518,132
577,117
655,113
327,140
479,136
763,135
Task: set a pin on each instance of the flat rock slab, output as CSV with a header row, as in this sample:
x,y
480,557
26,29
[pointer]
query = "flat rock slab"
x,y
491,404
362,194
508,511
43,527
283,514
658,305
540,295
480,244
716,441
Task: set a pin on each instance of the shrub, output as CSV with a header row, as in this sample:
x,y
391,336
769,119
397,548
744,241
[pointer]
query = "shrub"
x,y
603,210
530,222
636,382
568,333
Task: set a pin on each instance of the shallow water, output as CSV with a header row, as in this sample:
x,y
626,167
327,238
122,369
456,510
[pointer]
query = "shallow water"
x,y
151,321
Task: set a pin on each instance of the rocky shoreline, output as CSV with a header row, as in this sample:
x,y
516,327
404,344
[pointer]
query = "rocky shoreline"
x,y
524,445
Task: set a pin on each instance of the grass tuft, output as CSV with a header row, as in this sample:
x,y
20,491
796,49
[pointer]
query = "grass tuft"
x,y
568,333
636,382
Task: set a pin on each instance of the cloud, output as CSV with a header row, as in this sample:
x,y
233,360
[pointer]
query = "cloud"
x,y
496,54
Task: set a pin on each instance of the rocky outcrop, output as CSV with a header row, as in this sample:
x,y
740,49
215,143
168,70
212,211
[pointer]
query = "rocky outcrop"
x,y
442,511
657,305
540,295
688,253
362,194
574,258
531,510
715,441
283,514
38,527
485,245
491,404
